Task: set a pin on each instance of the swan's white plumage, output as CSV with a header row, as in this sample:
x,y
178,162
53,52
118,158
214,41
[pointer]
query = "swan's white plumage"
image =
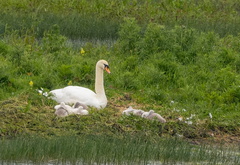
x,y
73,94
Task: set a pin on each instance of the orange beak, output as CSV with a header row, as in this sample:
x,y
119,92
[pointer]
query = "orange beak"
x,y
107,69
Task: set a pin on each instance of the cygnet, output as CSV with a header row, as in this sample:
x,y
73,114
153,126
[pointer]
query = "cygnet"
x,y
70,110
128,111
78,104
61,112
138,112
153,116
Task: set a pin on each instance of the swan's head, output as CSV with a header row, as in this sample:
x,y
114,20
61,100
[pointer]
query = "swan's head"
x,y
145,114
103,64
130,108
151,112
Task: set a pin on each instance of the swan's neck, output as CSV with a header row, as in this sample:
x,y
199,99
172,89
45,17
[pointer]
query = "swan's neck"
x,y
99,84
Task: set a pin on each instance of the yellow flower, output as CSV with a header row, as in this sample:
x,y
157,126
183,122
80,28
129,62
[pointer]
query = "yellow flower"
x,y
31,83
70,82
82,51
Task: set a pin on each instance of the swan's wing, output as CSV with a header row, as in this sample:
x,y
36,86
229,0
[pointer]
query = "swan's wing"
x,y
73,94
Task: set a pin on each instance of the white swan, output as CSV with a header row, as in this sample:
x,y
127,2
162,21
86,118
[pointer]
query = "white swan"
x,y
73,94
153,116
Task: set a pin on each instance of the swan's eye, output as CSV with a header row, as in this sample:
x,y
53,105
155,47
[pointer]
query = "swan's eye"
x,y
106,66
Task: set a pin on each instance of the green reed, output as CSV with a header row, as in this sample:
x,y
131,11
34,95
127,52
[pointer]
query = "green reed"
x,y
74,26
89,149
101,19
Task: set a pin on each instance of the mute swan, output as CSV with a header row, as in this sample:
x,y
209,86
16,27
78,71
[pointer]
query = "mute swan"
x,y
73,94
153,116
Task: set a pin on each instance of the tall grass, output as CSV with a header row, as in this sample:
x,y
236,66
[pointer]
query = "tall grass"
x,y
108,150
74,26
101,19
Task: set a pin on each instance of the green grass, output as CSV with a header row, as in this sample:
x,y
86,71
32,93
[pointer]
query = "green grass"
x,y
104,149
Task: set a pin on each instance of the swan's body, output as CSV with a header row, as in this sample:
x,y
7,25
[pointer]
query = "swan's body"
x,y
73,94
153,116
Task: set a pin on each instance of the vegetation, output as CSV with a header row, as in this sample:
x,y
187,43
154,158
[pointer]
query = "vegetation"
x,y
180,58
100,19
124,150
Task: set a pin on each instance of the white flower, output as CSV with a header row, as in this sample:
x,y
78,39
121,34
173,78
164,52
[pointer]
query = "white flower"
x,y
180,118
192,115
210,115
41,92
45,94
189,122
174,109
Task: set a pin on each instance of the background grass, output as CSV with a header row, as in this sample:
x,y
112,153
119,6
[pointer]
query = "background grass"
x,y
101,19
